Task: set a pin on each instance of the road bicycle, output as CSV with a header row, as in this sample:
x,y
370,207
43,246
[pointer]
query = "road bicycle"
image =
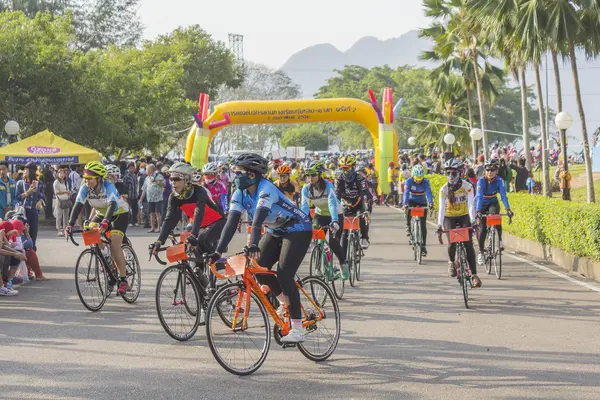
x,y
463,272
416,236
322,262
493,259
96,273
237,319
183,289
354,252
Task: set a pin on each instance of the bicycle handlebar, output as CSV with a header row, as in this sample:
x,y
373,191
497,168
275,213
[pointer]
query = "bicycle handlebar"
x,y
156,257
72,232
502,215
439,233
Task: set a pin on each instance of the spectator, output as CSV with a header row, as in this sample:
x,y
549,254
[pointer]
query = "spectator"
x,y
30,196
8,190
152,193
521,175
145,219
131,182
63,204
472,177
48,179
480,166
530,183
11,258
167,191
74,182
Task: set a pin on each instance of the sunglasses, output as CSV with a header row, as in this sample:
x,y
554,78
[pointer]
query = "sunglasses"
x,y
312,174
452,173
175,179
284,175
239,173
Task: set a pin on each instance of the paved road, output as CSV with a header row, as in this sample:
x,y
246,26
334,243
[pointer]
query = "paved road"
x,y
406,334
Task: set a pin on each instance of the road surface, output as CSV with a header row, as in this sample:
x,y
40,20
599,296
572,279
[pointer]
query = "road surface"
x,y
405,335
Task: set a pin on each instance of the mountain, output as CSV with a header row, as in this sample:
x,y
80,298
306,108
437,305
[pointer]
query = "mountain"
x,y
311,67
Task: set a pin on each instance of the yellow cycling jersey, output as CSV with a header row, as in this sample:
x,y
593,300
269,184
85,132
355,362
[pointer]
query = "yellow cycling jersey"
x,y
463,204
392,175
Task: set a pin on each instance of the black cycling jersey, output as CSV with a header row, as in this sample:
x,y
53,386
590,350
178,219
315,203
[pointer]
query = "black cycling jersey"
x,y
352,188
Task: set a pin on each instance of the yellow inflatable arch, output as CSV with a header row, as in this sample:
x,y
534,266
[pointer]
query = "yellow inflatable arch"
x,y
376,120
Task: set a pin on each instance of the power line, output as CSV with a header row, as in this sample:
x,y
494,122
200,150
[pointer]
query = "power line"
x,y
457,126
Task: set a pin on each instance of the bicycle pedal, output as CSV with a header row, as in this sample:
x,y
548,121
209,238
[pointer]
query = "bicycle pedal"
x,y
290,345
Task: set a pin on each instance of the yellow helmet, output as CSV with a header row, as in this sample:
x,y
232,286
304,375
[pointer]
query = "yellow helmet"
x,y
347,161
94,169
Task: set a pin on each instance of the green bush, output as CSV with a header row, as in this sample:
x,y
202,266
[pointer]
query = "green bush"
x,y
570,226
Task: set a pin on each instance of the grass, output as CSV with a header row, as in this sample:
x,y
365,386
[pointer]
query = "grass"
x,y
580,194
575,170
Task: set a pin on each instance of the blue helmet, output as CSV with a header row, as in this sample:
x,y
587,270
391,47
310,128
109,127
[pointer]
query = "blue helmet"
x,y
418,171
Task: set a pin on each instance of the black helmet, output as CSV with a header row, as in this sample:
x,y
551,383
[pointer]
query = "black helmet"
x,y
493,164
453,163
252,162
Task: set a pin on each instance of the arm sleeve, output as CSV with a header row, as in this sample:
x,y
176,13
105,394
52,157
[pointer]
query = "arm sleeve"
x,y
502,189
442,206
304,202
259,217
471,202
172,217
428,192
233,219
201,202
110,210
75,213
332,202
406,192
479,195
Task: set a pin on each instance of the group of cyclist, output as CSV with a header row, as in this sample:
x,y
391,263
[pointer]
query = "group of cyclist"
x,y
213,200
461,204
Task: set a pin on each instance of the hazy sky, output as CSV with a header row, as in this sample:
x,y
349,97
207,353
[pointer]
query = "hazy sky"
x,y
275,29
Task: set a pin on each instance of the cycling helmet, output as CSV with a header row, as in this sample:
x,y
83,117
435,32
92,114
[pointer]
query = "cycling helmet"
x,y
453,163
94,169
418,171
210,168
196,176
284,170
113,170
314,167
347,161
251,162
181,170
493,164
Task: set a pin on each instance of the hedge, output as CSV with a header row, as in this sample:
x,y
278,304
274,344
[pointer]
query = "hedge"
x,y
570,226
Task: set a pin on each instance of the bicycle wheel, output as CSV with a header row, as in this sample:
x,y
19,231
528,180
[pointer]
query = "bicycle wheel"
x,y
338,284
418,242
358,259
462,262
178,303
316,269
352,260
490,239
133,274
242,350
90,280
321,320
497,260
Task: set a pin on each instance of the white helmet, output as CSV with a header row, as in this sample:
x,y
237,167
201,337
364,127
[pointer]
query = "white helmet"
x,y
181,170
196,176
113,170
210,168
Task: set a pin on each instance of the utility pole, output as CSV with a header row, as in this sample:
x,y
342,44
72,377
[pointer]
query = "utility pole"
x,y
236,46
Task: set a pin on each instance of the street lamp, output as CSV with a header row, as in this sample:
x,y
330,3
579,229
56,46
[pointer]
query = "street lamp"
x,y
12,129
449,139
563,121
412,140
476,134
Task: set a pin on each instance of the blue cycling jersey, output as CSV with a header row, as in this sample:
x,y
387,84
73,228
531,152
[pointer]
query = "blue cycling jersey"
x,y
283,216
487,193
326,203
419,193
101,201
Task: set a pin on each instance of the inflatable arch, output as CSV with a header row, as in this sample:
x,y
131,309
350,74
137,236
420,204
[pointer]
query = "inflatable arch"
x,y
378,121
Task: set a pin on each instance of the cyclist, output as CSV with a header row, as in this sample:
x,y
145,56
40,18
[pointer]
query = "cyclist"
x,y
457,209
353,192
285,184
417,193
112,213
486,202
328,210
216,187
287,238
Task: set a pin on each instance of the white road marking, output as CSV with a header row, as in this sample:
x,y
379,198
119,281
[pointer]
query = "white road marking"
x,y
539,266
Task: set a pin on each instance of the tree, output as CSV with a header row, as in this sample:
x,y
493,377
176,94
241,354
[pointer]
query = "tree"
x,y
307,136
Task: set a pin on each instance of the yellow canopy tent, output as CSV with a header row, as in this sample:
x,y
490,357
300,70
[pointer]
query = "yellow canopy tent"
x,y
47,148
